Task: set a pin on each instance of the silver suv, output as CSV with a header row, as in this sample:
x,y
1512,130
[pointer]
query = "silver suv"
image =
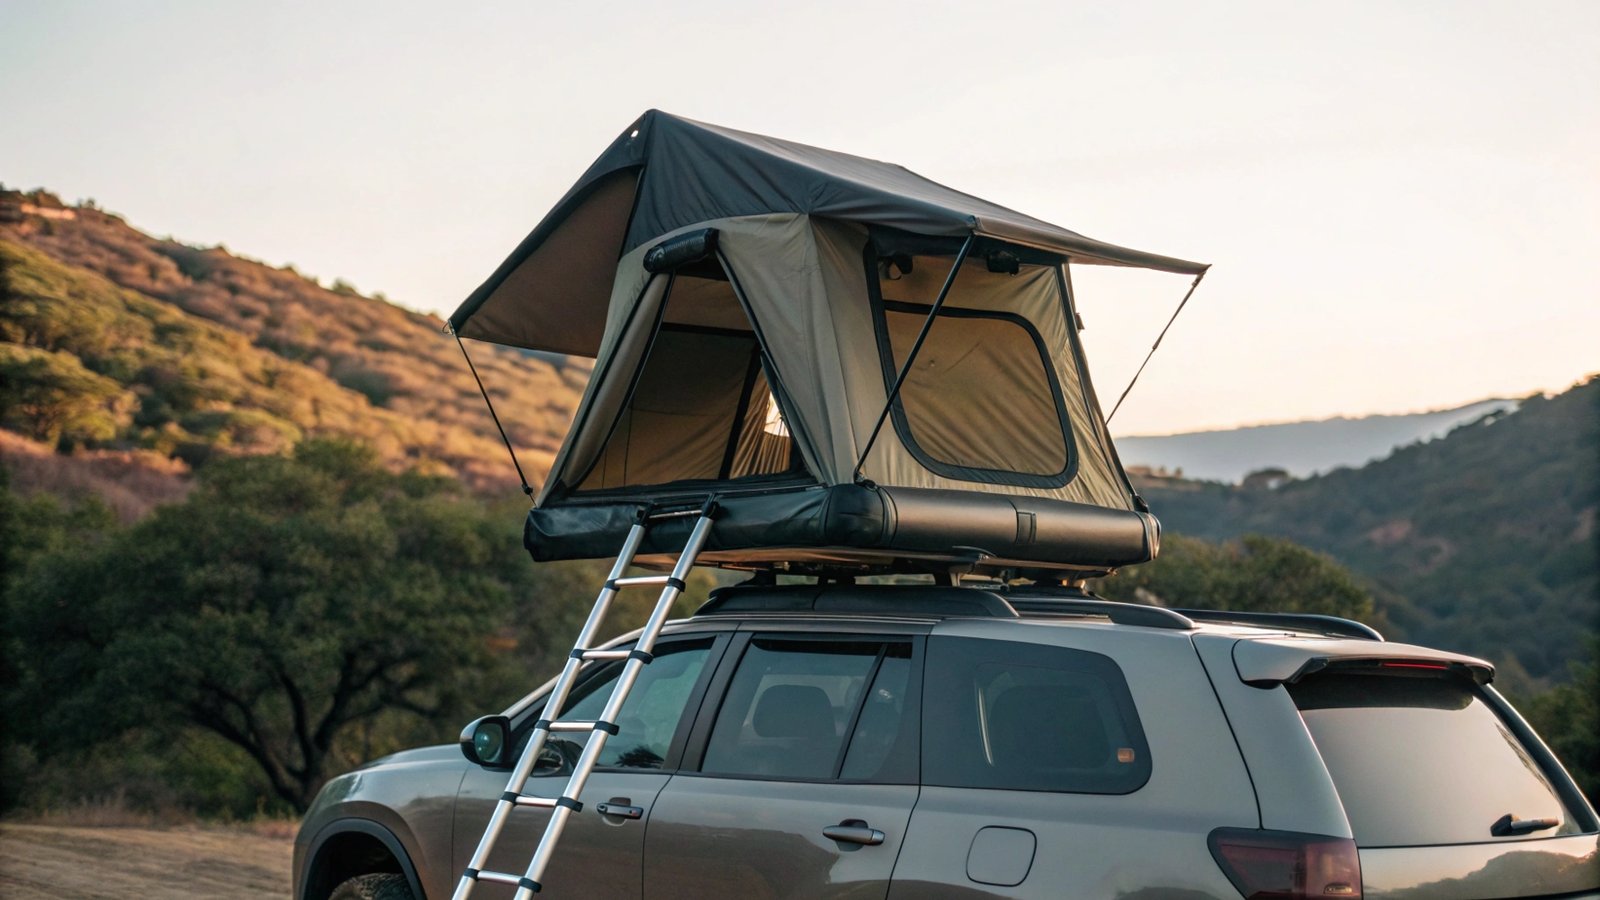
x,y
958,742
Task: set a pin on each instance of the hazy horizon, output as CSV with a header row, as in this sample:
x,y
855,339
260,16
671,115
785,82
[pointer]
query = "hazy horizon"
x,y
1400,202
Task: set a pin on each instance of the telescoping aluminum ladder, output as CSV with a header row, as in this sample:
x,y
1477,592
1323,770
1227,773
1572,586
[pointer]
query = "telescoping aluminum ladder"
x,y
563,807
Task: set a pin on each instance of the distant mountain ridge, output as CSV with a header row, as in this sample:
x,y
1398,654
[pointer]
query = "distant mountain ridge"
x,y
1300,448
1489,532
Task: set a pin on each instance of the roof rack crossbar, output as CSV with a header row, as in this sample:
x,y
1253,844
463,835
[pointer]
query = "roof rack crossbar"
x,y
1320,624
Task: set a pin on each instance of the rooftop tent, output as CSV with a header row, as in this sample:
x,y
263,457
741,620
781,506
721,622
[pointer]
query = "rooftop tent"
x,y
750,304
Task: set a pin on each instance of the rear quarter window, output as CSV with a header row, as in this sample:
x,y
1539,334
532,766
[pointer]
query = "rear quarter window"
x,y
1423,759
1030,717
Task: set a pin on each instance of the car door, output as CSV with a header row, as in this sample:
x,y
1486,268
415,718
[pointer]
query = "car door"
x,y
800,781
599,854
1070,761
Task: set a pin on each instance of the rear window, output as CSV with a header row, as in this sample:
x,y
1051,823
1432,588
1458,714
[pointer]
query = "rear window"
x,y
1029,717
1423,759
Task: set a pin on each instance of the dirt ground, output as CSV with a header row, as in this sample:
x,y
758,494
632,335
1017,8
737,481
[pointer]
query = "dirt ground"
x,y
40,861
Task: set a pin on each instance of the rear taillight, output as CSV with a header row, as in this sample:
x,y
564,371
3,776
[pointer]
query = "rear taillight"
x,y
1287,865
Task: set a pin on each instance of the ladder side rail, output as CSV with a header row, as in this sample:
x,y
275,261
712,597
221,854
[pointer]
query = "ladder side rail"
x,y
552,708
619,695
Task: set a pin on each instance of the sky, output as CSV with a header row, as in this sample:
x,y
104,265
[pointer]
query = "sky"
x,y
1400,200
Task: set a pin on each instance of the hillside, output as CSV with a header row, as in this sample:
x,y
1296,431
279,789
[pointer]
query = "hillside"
x,y
146,356
186,351
1489,532
1299,448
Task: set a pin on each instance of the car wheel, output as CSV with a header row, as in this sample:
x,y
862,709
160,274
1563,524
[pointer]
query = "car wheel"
x,y
380,886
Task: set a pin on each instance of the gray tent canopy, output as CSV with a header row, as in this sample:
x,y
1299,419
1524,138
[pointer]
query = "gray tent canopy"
x,y
752,304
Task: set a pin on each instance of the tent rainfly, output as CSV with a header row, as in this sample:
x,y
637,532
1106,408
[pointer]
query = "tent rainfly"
x,y
871,372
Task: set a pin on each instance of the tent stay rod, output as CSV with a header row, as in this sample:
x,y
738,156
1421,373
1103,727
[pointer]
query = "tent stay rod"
x,y
1153,347
492,414
916,347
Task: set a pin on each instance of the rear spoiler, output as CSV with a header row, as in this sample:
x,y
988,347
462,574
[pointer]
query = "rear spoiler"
x,y
1265,663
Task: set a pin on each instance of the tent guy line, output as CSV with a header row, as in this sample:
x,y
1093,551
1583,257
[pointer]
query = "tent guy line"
x,y
1153,347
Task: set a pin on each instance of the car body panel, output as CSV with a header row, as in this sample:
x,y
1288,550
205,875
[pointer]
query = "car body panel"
x,y
411,794
1293,789
1151,842
599,855
1088,845
1276,660
1537,868
749,838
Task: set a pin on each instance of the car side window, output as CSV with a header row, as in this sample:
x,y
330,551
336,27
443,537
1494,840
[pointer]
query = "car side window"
x,y
817,709
1030,717
650,715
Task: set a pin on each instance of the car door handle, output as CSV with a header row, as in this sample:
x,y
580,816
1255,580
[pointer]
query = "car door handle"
x,y
853,831
620,807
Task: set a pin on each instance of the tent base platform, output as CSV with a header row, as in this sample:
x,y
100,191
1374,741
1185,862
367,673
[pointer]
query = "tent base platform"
x,y
858,529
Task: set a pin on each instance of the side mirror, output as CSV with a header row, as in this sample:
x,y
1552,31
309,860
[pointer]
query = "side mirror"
x,y
486,742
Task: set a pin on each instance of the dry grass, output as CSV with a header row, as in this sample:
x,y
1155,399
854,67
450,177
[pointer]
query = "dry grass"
x,y
114,811
130,482
188,863
321,361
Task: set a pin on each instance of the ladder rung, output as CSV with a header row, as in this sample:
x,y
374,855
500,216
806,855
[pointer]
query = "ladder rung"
x,y
642,579
502,877
591,655
536,802
583,725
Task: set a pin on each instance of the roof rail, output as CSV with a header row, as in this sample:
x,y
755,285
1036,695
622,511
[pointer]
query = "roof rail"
x,y
872,600
1118,613
1072,600
1319,624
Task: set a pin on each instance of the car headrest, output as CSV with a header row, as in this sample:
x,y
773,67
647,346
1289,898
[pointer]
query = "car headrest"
x,y
794,710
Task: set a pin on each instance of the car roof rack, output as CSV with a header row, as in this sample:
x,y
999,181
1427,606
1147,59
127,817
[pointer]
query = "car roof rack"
x,y
938,601
1318,624
920,600
1119,613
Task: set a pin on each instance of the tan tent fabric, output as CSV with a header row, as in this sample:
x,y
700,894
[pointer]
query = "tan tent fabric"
x,y
581,256
749,301
634,300
805,281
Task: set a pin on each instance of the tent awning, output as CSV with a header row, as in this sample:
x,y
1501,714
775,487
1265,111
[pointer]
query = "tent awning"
x,y
665,172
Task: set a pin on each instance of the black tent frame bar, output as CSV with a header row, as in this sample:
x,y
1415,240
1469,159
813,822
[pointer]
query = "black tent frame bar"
x,y
916,347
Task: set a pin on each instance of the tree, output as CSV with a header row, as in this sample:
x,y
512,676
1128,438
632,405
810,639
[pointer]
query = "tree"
x,y
1253,574
287,600
52,398
1568,717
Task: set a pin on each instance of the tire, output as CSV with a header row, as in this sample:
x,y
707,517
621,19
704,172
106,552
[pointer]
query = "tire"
x,y
379,886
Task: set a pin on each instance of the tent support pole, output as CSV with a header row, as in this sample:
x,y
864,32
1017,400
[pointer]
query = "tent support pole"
x,y
1163,334
490,403
916,347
